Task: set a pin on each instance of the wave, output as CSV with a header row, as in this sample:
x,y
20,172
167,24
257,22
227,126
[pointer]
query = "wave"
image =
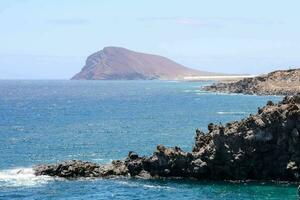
x,y
201,93
102,160
22,177
148,186
196,91
231,113
156,187
188,90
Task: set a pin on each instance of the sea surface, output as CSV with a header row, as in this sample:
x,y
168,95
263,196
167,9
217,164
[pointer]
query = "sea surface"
x,y
50,121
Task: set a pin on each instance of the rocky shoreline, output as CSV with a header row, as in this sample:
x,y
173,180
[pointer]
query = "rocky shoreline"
x,y
262,147
281,82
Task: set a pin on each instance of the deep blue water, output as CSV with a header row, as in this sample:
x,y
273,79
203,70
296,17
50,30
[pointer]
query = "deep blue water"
x,y
50,121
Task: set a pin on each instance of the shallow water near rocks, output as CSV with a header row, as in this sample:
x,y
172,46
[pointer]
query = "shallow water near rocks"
x,y
99,121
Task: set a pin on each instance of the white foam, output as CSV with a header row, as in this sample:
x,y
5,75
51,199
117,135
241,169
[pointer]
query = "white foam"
x,y
230,113
201,93
102,160
148,186
21,177
157,187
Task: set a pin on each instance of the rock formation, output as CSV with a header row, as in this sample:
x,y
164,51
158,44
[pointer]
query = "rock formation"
x,y
115,63
282,82
264,146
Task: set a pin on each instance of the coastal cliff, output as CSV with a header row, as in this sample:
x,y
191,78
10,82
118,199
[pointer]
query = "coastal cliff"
x,y
116,63
281,82
264,146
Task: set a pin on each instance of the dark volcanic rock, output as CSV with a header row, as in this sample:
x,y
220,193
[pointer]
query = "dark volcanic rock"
x,y
168,162
262,147
265,146
282,82
78,168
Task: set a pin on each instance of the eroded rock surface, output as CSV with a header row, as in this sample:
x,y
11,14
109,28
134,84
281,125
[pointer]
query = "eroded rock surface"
x,y
264,146
78,168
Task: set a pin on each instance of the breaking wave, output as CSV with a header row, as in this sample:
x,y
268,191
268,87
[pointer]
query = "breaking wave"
x,y
148,186
21,177
231,113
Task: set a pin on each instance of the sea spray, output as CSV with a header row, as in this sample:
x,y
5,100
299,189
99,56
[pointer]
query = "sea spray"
x,y
21,177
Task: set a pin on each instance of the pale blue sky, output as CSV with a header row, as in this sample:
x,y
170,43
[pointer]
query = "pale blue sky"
x,y
51,39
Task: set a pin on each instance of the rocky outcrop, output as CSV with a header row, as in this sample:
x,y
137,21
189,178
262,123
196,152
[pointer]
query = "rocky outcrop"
x,y
282,82
78,168
264,146
116,63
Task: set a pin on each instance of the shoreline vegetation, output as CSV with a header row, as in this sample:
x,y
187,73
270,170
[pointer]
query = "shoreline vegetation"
x,y
262,147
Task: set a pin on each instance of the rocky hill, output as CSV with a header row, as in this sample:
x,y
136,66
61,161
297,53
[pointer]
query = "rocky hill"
x,y
281,82
264,146
115,63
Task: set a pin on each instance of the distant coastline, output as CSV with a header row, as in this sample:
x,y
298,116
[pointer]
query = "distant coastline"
x,y
217,77
280,82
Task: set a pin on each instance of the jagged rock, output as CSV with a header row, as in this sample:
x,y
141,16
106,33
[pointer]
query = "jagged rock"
x,y
77,168
168,162
68,169
264,146
132,155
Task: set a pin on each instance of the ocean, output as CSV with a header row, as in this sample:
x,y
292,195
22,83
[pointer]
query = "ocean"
x,y
100,121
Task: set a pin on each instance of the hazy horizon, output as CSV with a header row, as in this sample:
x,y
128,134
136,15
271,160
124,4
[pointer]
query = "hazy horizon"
x,y
51,40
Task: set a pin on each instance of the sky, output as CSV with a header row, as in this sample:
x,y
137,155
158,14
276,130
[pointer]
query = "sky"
x,y
51,39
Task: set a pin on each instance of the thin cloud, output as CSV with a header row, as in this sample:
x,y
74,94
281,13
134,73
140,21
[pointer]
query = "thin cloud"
x,y
10,4
247,21
189,21
218,21
68,22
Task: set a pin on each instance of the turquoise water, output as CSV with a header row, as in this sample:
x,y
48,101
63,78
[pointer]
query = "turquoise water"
x,y
99,121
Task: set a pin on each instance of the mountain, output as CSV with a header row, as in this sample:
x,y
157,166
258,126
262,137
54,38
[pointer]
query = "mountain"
x,y
116,63
281,82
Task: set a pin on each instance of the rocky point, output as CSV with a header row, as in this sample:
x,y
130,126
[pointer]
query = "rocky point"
x,y
281,82
262,147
